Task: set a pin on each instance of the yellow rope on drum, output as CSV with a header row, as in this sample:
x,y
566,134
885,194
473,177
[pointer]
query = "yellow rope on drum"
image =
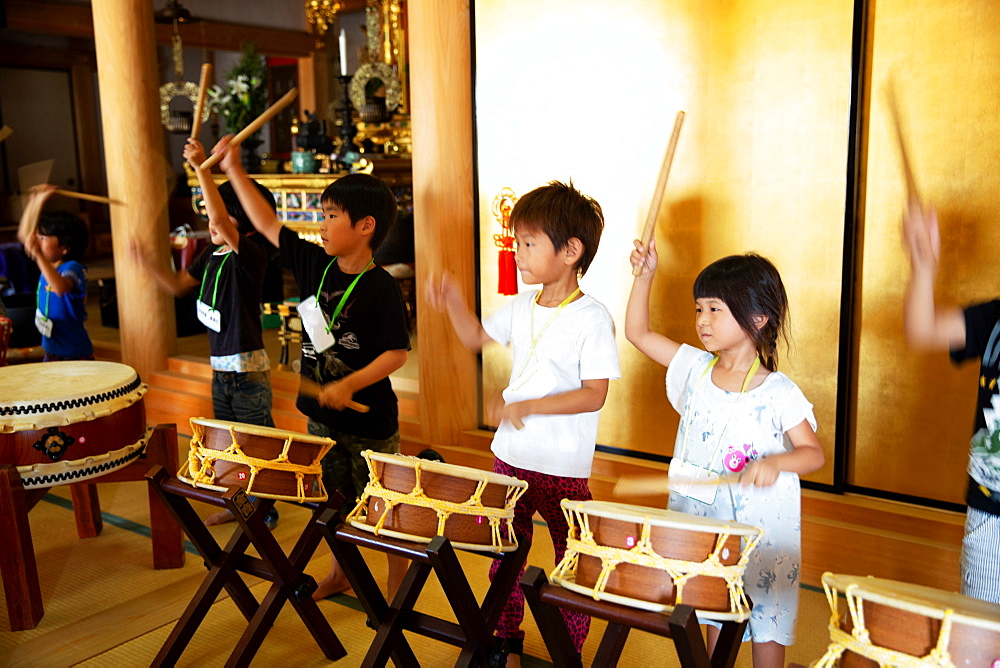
x,y
443,509
859,642
643,554
201,461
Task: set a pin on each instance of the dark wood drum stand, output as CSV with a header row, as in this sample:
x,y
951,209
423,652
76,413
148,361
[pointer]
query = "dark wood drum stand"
x,y
545,600
289,582
17,553
474,630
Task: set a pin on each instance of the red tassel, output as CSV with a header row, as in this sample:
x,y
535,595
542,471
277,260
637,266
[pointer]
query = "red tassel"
x,y
508,273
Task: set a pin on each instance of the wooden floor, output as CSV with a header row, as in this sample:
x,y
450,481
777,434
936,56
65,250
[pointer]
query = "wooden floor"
x,y
106,606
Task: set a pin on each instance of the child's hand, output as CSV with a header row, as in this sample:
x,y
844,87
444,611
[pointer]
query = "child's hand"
x,y
335,395
440,293
228,160
921,235
194,152
760,473
41,193
645,257
515,413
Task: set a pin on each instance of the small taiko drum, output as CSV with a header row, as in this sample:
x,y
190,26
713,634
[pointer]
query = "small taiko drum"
x,y
266,462
64,422
890,623
416,499
656,559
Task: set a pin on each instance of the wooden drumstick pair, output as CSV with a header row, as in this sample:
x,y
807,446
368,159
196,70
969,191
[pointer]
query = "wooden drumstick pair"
x,y
312,389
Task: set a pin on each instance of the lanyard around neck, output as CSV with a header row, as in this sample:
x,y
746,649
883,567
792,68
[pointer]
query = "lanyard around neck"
x,y
690,405
347,293
215,289
535,339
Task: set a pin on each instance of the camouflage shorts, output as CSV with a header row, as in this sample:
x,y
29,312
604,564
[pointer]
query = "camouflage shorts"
x,y
344,469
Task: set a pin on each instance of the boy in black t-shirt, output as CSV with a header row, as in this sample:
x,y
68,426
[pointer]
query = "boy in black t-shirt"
x,y
355,330
229,275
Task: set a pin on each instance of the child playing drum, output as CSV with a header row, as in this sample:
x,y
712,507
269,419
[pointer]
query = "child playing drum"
x,y
739,415
564,356
970,333
56,242
229,276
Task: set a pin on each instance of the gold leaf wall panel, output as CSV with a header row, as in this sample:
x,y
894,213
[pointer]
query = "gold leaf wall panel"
x,y
915,410
588,90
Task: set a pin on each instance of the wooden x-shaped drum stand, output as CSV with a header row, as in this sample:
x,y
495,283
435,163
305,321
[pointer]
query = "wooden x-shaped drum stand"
x,y
474,630
289,582
546,599
17,554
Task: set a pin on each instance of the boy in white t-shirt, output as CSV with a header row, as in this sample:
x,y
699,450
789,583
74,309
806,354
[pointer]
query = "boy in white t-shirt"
x,y
564,356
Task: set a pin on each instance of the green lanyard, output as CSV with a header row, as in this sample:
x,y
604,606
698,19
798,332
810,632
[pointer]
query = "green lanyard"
x,y
347,293
215,290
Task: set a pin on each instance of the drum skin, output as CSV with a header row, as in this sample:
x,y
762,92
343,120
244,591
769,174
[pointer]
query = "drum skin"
x,y
268,482
652,584
423,522
915,634
92,438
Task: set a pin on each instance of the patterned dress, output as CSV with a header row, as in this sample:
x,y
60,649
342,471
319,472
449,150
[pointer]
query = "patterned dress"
x,y
722,431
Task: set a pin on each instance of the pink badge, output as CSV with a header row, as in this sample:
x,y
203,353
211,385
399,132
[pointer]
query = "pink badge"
x,y
242,475
630,541
480,519
82,439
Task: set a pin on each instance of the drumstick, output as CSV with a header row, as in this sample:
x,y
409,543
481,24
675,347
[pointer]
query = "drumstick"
x,y
911,182
312,389
661,184
206,74
644,485
89,198
254,125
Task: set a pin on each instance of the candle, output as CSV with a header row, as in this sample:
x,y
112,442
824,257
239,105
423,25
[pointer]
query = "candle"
x,y
343,53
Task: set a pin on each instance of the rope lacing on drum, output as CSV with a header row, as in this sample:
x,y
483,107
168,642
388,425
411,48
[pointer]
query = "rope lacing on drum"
x,y
201,462
443,509
643,554
859,642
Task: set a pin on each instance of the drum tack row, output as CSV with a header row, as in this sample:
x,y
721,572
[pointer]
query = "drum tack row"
x,y
637,567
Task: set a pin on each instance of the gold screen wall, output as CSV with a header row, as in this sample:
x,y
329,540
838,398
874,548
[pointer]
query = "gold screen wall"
x,y
915,411
587,90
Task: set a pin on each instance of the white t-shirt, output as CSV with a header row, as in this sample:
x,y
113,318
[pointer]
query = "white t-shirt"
x,y
571,344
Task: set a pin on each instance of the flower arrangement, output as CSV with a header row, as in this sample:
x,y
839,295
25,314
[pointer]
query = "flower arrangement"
x,y
244,96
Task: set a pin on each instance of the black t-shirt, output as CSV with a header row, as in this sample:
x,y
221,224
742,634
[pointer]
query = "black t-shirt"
x,y
982,341
372,322
238,297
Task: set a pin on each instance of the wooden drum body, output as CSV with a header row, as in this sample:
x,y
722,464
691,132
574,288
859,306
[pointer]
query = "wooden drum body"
x,y
266,462
655,559
64,422
897,623
416,499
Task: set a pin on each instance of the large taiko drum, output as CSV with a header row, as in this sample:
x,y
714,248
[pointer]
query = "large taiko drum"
x,y
892,623
656,559
416,499
64,422
266,462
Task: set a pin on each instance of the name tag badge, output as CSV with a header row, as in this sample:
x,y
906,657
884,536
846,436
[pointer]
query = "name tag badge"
x,y
692,481
314,322
43,324
209,316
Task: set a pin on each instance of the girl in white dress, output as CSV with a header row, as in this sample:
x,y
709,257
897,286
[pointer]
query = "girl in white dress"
x,y
744,426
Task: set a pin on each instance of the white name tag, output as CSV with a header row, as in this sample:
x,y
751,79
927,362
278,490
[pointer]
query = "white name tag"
x,y
209,316
692,481
314,322
43,324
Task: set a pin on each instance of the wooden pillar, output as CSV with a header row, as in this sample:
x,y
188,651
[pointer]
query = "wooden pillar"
x,y
443,198
137,175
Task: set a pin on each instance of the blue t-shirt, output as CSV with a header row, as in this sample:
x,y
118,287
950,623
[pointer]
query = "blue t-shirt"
x,y
67,312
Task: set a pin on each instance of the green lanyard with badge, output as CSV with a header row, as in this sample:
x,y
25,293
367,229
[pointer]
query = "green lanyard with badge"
x,y
42,322
690,480
313,319
208,315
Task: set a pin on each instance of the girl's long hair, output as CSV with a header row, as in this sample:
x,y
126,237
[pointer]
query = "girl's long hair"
x,y
750,286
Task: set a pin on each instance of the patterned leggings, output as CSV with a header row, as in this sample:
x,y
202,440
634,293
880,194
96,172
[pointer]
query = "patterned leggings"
x,y
544,494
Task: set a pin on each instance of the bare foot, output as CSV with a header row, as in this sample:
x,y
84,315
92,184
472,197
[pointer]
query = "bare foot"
x,y
330,586
220,517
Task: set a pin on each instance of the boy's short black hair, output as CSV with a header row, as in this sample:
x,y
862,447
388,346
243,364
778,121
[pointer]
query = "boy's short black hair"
x,y
562,212
235,208
69,229
360,195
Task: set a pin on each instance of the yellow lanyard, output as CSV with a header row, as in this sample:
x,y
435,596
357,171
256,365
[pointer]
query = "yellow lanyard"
x,y
535,339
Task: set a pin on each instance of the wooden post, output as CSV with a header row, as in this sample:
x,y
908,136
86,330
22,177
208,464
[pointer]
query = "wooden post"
x,y
137,175
444,204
